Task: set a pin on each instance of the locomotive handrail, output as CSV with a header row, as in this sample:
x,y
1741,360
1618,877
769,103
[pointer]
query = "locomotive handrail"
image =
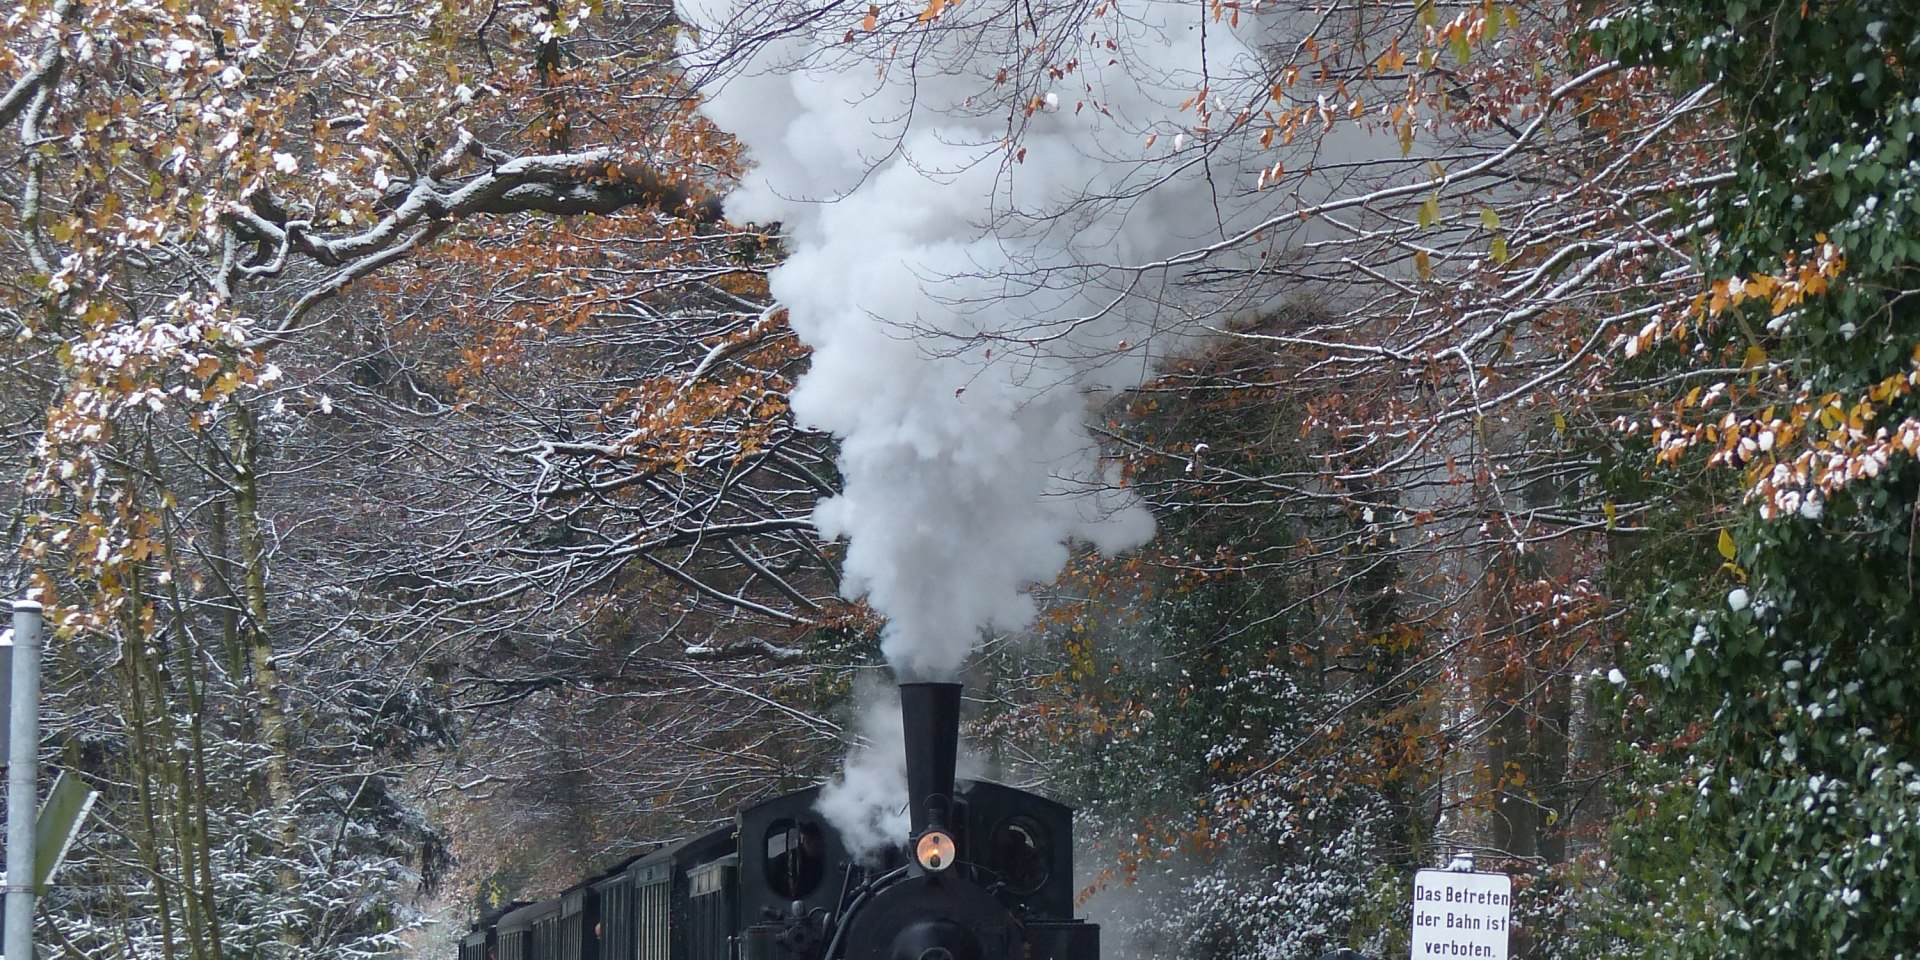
x,y
846,886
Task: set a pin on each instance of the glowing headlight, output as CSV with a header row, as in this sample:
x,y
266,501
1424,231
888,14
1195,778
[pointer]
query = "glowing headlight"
x,y
935,851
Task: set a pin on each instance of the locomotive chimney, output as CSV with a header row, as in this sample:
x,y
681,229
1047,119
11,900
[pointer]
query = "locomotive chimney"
x,y
930,719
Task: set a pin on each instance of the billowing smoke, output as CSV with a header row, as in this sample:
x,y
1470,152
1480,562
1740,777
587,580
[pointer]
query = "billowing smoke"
x,y
975,205
867,803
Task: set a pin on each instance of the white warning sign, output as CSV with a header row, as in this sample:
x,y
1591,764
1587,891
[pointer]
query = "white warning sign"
x,y
1461,915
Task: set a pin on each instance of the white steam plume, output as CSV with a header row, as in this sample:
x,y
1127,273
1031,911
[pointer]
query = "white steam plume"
x,y
867,802
962,228
971,240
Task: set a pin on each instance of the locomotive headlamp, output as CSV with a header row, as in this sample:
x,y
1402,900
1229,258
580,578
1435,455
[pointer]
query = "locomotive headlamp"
x,y
934,851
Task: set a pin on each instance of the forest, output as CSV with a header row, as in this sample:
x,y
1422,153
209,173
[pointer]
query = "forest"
x,y
458,442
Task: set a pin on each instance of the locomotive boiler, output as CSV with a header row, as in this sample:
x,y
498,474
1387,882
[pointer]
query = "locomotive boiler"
x,y
984,873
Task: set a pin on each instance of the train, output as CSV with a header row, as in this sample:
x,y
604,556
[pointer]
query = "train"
x,y
984,873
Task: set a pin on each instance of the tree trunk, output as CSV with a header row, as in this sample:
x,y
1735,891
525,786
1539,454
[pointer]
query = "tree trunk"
x,y
266,671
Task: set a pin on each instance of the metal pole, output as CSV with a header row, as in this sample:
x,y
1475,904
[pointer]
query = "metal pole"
x,y
6,691
23,765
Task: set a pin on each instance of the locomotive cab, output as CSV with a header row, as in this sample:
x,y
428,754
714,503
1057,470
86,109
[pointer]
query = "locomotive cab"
x,y
794,869
789,855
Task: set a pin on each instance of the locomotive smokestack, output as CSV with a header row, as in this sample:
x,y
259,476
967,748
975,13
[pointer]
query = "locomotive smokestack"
x,y
930,722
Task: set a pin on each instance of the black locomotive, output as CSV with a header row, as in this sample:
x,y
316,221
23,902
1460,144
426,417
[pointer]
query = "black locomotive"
x,y
986,874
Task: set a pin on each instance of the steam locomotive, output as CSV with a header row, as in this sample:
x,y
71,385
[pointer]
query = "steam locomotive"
x,y
985,874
